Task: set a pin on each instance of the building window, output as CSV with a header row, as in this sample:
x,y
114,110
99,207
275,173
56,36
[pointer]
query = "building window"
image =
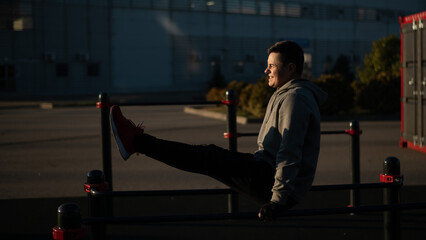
x,y
120,3
239,67
160,4
264,8
180,5
233,6
289,10
93,69
214,6
61,70
293,10
279,9
7,77
367,14
248,7
137,3
16,15
199,5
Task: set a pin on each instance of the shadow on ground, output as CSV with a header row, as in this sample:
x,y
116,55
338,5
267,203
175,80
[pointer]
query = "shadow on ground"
x,y
34,218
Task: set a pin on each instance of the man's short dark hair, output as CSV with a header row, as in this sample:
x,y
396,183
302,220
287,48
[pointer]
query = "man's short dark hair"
x,y
290,52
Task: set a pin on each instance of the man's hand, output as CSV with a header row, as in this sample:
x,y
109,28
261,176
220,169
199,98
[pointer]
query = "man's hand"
x,y
271,211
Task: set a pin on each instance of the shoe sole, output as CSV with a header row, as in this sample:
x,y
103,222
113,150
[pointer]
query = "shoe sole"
x,y
124,154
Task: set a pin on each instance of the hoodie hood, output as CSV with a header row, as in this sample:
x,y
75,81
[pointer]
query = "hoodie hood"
x,y
319,94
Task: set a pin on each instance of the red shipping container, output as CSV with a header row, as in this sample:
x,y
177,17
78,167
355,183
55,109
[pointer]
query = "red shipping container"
x,y
413,81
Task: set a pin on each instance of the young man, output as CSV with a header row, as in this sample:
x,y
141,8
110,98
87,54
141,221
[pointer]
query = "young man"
x,y
281,171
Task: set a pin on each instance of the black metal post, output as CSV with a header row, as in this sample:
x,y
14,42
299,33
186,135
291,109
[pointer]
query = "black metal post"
x,y
355,132
391,174
69,223
231,103
97,205
233,203
104,105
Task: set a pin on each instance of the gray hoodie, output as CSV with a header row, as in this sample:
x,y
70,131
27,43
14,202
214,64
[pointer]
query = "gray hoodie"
x,y
289,138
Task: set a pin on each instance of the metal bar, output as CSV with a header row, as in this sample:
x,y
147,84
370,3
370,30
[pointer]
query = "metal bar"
x,y
97,206
231,103
252,215
354,186
104,105
355,159
248,134
167,103
391,219
106,137
96,193
160,193
322,132
232,119
334,132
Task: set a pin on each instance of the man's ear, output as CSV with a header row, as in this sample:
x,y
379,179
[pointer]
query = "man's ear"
x,y
291,67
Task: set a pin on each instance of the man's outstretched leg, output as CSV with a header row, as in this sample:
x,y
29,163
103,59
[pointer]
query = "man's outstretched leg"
x,y
238,170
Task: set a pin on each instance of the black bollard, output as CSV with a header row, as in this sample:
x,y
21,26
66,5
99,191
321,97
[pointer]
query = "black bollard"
x,y
97,205
391,174
69,223
95,177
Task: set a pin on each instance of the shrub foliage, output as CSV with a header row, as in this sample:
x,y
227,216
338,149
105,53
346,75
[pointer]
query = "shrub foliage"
x,y
253,98
340,94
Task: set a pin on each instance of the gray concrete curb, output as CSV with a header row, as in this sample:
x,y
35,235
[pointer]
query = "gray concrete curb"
x,y
199,111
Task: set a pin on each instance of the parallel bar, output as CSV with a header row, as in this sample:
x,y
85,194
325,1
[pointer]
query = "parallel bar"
x,y
253,215
322,132
248,134
334,132
230,191
354,186
160,193
167,103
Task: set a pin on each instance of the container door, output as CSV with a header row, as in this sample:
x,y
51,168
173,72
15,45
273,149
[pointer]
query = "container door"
x,y
409,80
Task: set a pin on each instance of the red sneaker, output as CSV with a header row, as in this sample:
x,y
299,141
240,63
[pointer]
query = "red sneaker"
x,y
124,132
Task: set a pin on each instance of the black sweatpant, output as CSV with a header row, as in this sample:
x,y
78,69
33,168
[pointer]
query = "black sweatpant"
x,y
237,170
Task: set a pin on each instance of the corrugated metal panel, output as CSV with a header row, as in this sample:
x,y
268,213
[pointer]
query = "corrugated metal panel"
x,y
414,81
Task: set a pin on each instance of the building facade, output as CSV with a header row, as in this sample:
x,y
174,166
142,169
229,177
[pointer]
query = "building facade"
x,y
80,47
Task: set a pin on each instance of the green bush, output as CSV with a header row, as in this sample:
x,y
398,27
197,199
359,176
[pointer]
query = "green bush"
x,y
383,60
340,94
259,98
215,94
253,98
236,86
244,98
378,95
379,87
218,94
